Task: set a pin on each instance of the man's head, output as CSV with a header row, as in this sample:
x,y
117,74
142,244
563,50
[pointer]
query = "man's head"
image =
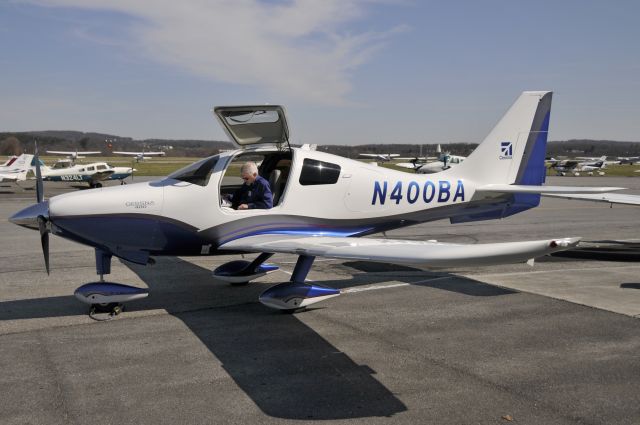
x,y
249,172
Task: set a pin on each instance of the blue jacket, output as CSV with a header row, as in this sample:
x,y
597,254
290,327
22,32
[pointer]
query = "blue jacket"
x,y
256,195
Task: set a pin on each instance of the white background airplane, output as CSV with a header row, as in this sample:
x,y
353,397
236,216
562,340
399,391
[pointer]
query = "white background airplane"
x,y
323,204
628,159
575,166
443,161
140,156
17,169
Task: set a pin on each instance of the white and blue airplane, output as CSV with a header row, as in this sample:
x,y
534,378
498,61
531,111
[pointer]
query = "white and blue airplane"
x,y
323,205
93,173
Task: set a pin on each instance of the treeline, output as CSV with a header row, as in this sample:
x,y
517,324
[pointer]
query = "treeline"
x,y
586,147
19,142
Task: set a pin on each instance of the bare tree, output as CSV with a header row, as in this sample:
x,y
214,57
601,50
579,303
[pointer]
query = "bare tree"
x,y
10,146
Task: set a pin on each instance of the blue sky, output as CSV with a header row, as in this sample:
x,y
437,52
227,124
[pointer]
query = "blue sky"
x,y
348,71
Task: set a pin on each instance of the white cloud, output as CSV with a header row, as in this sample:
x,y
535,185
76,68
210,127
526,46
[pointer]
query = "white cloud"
x,y
300,49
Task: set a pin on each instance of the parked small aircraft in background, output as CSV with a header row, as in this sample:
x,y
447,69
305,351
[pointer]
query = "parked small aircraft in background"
x,y
17,169
322,205
92,174
575,167
140,156
443,162
628,159
73,155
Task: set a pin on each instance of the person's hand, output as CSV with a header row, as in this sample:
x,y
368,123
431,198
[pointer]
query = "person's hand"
x,y
243,207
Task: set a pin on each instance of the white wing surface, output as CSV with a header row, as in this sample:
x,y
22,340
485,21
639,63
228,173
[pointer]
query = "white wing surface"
x,y
74,152
138,153
514,188
612,198
434,254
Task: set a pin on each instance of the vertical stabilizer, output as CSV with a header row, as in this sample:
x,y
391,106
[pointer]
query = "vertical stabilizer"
x,y
514,151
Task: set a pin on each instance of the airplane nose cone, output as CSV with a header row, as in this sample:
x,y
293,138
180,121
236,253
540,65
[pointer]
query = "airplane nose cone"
x,y
28,217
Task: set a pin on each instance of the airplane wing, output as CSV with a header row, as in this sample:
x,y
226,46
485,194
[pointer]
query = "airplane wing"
x,y
424,253
516,188
612,198
138,153
73,153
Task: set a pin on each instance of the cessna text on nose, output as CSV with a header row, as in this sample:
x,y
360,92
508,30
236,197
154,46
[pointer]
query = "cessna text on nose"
x,y
139,204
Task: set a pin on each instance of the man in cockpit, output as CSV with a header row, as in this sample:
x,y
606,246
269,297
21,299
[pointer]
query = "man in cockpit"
x,y
255,193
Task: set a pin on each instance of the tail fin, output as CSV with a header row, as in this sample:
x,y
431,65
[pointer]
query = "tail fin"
x,y
23,162
514,151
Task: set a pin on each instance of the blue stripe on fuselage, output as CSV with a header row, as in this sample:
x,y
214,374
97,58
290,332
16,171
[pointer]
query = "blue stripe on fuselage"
x,y
120,176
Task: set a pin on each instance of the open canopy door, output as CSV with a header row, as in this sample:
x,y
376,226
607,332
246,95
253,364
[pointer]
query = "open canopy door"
x,y
254,125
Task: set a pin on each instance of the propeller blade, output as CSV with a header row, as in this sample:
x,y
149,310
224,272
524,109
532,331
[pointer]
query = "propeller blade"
x,y
44,240
39,186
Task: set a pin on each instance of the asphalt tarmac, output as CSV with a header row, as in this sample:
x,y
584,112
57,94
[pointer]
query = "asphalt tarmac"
x,y
551,344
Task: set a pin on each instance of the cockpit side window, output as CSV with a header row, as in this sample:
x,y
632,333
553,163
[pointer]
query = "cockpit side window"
x,y
198,172
318,172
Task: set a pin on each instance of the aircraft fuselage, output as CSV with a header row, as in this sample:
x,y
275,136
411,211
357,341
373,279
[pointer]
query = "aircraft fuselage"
x,y
174,217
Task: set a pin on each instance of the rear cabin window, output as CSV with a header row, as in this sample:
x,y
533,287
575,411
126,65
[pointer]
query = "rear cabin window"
x,y
318,172
198,172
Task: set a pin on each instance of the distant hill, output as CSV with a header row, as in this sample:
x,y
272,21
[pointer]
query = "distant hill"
x,y
12,143
586,147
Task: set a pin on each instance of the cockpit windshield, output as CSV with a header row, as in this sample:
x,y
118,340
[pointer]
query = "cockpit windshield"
x,y
198,172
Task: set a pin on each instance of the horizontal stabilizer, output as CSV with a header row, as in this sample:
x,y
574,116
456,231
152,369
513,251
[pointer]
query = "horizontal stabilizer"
x,y
612,198
432,254
515,188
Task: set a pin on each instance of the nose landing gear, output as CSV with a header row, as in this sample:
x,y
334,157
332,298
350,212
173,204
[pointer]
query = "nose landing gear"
x,y
106,298
104,312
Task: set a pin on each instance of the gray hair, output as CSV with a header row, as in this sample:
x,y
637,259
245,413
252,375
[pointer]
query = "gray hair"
x,y
249,167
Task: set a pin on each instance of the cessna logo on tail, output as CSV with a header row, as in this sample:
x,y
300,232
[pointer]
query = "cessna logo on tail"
x,y
506,150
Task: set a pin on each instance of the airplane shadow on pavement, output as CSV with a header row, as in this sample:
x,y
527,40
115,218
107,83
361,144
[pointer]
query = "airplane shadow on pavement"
x,y
284,366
